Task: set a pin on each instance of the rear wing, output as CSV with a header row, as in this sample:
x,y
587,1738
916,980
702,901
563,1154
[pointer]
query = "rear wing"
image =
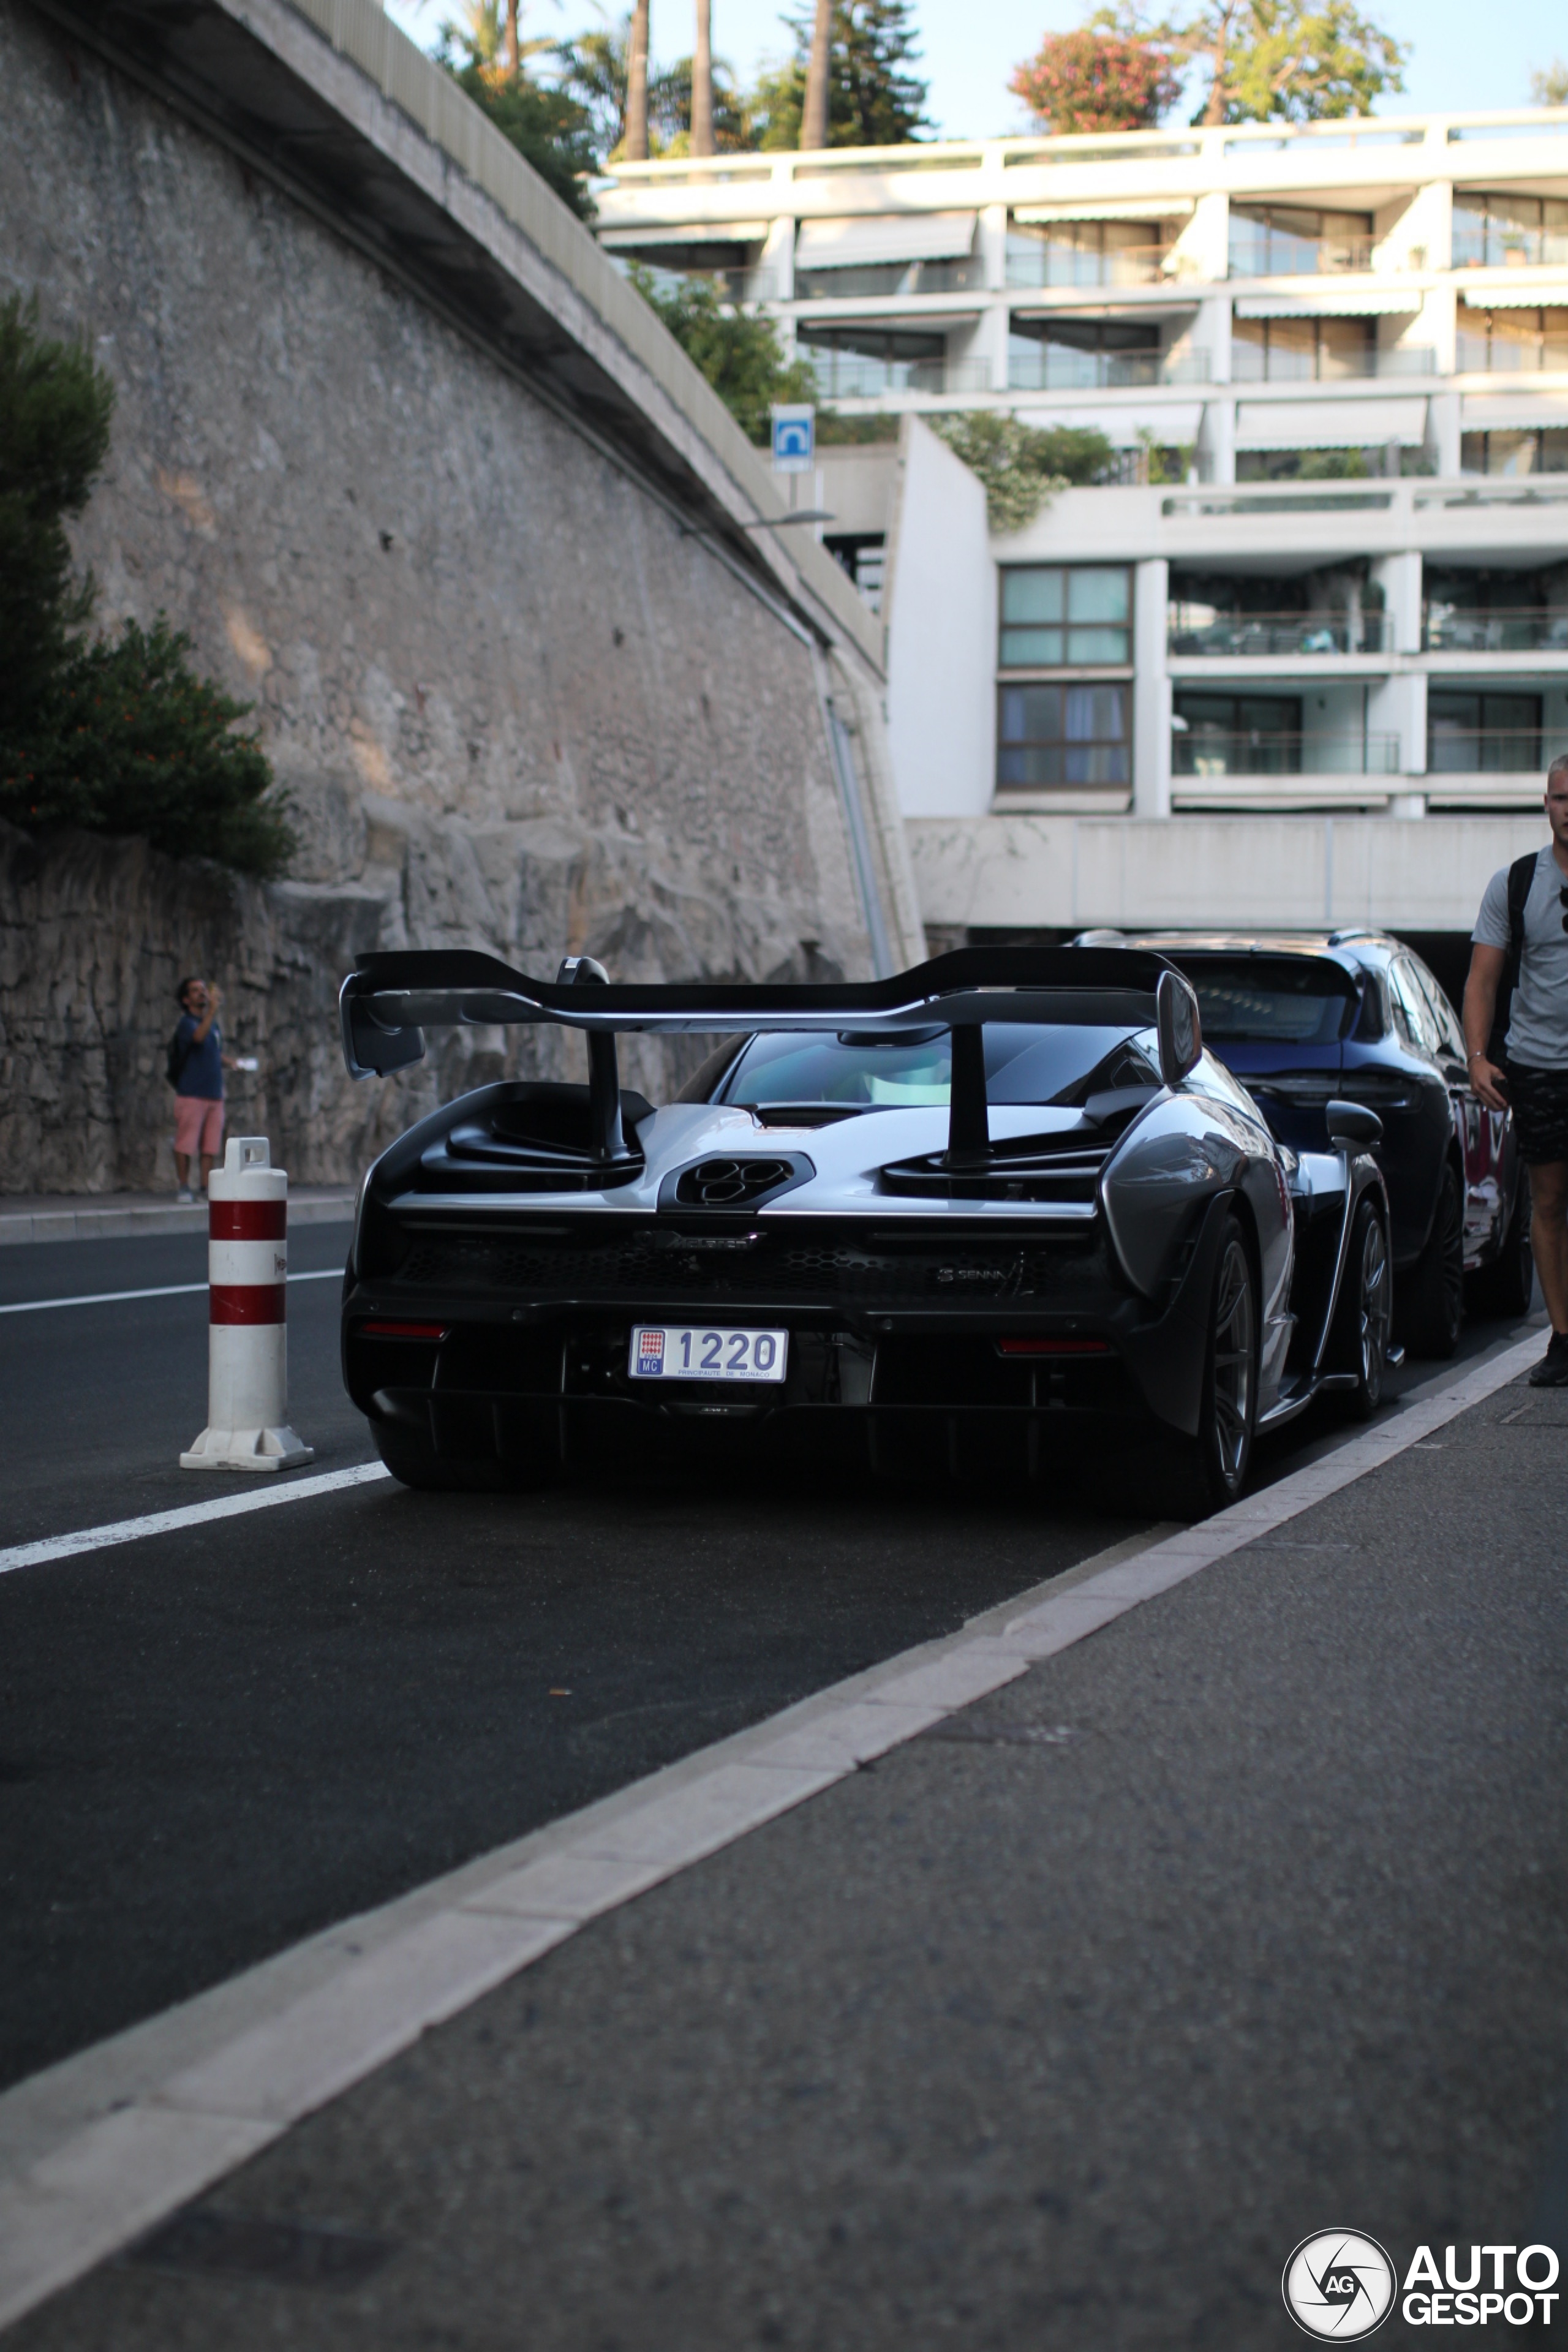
x,y
390,1000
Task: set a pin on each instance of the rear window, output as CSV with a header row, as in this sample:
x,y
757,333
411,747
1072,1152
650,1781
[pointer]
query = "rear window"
x,y
1271,1000
1023,1064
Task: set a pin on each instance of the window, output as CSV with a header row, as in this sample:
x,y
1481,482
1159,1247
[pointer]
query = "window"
x,y
1271,1000
1509,342
1238,735
1024,1063
1063,735
1514,453
1489,734
858,362
1301,351
1294,241
1497,232
1056,614
1450,1036
1084,253
1411,1010
1066,354
1480,611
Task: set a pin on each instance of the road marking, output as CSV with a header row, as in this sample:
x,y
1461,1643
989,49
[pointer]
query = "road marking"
x,y
105,2144
188,1515
165,1290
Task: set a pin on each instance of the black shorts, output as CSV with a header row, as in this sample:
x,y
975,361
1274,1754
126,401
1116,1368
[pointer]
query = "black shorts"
x,y
1540,1099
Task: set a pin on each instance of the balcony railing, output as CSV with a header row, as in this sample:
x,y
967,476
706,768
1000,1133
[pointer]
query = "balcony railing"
x,y
1488,243
1202,751
857,375
1278,256
875,278
1482,750
1518,629
1196,629
1250,364
1505,354
1042,265
1058,368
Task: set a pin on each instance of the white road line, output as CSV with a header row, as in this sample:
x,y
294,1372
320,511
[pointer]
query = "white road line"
x,y
165,1290
188,1515
105,2144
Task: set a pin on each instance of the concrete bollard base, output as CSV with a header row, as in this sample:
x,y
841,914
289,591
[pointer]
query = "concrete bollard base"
x,y
246,1449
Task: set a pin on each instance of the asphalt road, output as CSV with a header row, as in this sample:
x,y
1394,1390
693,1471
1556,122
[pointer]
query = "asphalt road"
x,y
1007,2044
214,1742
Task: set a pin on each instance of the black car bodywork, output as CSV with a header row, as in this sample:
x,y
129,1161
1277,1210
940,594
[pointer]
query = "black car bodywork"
x,y
1006,1197
1302,1018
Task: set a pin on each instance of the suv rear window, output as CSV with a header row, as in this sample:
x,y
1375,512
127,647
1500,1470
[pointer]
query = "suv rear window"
x,y
1271,1000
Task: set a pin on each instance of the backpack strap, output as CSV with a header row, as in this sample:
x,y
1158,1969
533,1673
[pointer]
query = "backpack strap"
x,y
1520,878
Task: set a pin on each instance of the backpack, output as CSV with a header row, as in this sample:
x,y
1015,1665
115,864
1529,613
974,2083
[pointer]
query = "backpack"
x,y
1521,876
179,1053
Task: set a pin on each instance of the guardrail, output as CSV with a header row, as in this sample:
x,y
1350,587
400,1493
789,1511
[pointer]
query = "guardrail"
x,y
1507,629
1203,752
1248,636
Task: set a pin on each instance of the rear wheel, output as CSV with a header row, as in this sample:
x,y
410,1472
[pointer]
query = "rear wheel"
x,y
1213,1465
1507,1287
1364,1315
1431,1300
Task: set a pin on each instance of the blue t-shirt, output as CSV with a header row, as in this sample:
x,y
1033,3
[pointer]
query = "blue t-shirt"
x,y
1538,1019
200,1073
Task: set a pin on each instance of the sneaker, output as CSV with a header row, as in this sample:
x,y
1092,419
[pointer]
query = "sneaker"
x,y
1551,1372
185,1193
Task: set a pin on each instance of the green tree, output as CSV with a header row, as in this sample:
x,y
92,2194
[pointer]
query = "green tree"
x,y
873,99
549,127
121,737
1290,60
595,71
1022,466
737,350
1548,84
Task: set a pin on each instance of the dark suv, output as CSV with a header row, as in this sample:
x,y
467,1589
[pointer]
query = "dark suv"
x,y
1299,1018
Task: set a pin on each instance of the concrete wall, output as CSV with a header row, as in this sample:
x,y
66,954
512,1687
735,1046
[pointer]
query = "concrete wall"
x,y
940,606
1193,872
517,708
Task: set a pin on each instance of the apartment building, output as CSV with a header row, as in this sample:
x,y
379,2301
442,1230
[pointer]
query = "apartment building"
x,y
1323,593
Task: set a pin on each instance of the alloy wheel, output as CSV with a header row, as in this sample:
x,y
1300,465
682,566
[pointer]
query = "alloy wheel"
x,y
1232,1352
1375,1310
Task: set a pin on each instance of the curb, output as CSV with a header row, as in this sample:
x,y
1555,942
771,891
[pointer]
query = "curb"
x,y
76,1224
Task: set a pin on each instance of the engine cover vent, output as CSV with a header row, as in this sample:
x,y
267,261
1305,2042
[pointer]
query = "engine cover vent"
x,y
731,1180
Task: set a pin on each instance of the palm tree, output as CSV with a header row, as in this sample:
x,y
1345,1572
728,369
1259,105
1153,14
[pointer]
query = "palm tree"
x,y
703,82
637,86
814,117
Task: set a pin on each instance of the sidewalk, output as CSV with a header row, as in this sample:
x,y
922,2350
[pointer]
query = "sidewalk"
x,y
1210,1898
114,1216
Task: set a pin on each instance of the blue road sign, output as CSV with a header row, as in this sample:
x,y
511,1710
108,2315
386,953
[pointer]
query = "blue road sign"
x,y
794,439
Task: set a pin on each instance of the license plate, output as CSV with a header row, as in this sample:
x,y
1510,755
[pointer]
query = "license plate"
x,y
697,1352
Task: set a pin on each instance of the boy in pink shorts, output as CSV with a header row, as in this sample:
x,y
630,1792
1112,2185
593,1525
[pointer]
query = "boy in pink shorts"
x,y
198,1087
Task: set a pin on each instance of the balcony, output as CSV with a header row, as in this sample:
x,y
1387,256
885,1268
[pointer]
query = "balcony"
x,y
1519,342
1256,751
1197,630
1038,264
859,375
873,280
1278,256
1518,629
1060,367
1482,750
1322,361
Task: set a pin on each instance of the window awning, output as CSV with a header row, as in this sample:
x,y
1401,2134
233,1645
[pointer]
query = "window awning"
x,y
1120,208
885,237
752,232
1355,302
1329,424
1513,413
1514,297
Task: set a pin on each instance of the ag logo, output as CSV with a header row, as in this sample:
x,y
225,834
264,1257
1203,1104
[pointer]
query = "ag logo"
x,y
1339,2283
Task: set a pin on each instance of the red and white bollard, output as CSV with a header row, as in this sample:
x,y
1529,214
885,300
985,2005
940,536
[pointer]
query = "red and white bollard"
x,y
247,1268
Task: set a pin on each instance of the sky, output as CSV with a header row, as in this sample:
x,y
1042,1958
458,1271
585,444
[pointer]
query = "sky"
x,y
1465,58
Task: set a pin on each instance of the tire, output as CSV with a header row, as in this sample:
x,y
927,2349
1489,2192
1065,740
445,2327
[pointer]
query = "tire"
x,y
1212,1467
1364,1319
414,1461
1507,1285
1432,1299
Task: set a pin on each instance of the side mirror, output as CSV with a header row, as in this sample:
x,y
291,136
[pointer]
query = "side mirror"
x,y
1353,1127
1180,1028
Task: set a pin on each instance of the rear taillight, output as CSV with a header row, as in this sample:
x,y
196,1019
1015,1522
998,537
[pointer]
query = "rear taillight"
x,y
405,1331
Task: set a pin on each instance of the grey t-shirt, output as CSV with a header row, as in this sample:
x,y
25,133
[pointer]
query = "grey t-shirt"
x,y
1538,1019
